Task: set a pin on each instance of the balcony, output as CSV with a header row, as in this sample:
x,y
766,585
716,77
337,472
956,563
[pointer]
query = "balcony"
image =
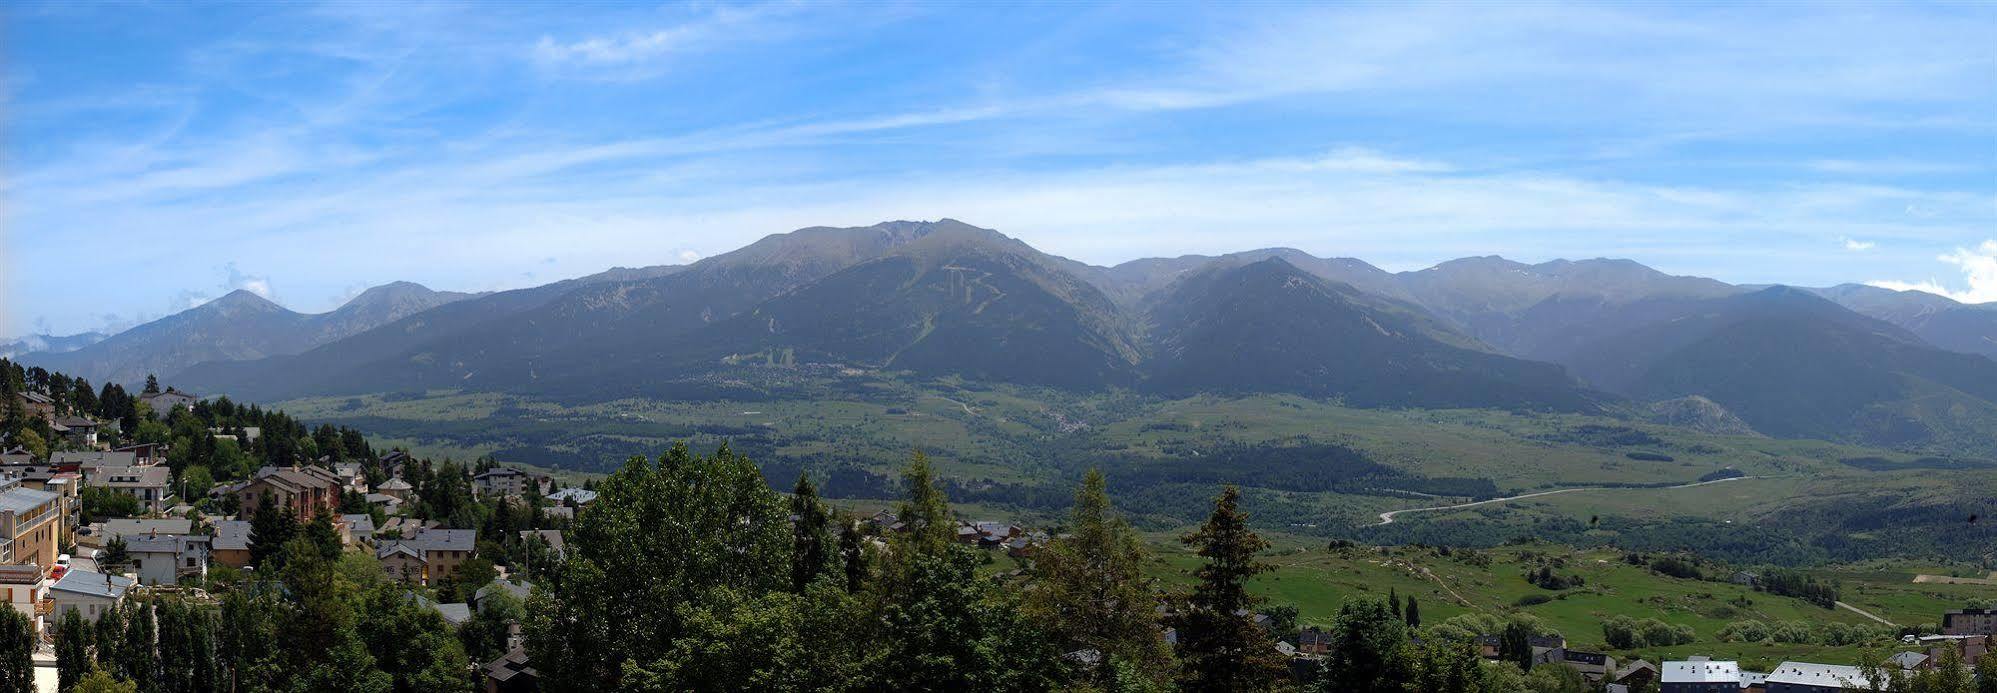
x,y
45,607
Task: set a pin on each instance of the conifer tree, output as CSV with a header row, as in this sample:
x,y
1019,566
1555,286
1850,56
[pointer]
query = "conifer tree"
x,y
17,648
1220,649
1089,590
811,538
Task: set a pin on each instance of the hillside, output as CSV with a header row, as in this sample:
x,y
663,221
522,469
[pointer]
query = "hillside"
x,y
1942,322
1268,326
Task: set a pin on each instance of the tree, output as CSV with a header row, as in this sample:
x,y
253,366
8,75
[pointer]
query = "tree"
x,y
853,554
1413,615
271,527
33,442
98,681
1515,644
1089,591
1220,649
1366,653
152,385
925,513
17,649
811,538
116,554
72,649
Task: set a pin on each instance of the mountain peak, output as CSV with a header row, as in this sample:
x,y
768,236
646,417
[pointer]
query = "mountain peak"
x,y
243,299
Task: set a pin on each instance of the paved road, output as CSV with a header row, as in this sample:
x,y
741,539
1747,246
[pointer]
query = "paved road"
x,y
1387,518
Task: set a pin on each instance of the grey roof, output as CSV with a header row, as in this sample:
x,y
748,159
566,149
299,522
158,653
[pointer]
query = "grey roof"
x,y
382,498
394,547
92,584
499,472
161,544
1909,660
1810,674
20,500
581,496
556,541
140,477
519,590
358,522
95,459
133,528
394,485
232,535
1701,672
446,539
455,614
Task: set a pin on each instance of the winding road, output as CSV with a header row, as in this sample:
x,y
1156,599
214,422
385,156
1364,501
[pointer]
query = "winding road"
x,y
1387,518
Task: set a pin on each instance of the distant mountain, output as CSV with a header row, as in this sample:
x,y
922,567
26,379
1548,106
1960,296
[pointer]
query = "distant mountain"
x,y
1792,364
236,327
1943,322
946,298
1269,326
10,348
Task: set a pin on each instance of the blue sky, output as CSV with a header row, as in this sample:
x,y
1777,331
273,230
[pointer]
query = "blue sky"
x,y
159,154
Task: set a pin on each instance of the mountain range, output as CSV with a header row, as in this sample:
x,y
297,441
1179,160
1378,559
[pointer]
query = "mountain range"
x,y
948,299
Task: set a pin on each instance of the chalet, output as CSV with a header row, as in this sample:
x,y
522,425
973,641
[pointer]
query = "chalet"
x,y
1804,677
90,594
152,486
16,456
357,478
395,488
25,588
1594,666
163,403
1699,676
428,555
388,504
360,527
396,463
307,490
1636,675
1314,641
89,462
231,544
552,537
38,404
510,674
76,429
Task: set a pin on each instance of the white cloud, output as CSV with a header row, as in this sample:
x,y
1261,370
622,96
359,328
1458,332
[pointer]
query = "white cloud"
x,y
688,257
636,55
1979,270
1858,246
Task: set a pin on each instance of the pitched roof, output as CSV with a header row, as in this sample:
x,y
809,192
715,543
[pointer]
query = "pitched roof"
x,y
95,458
232,535
161,544
1909,660
358,522
512,664
553,536
394,485
133,477
428,540
130,527
75,422
518,590
87,583
496,472
296,479
581,496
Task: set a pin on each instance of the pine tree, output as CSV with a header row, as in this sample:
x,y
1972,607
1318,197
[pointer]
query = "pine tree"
x,y
853,554
1394,601
152,385
1413,614
925,514
1089,590
1367,653
1220,649
811,539
271,526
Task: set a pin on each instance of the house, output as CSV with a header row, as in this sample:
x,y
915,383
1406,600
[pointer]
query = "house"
x,y
152,486
455,613
144,454
31,525
389,505
1970,622
16,456
1636,674
553,537
576,497
508,482
357,478
25,588
1314,641
76,429
38,404
167,559
1805,677
307,490
163,403
394,488
1910,661
88,593
428,555
510,674
1970,647
231,544
395,463
1594,666
1699,676
360,527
